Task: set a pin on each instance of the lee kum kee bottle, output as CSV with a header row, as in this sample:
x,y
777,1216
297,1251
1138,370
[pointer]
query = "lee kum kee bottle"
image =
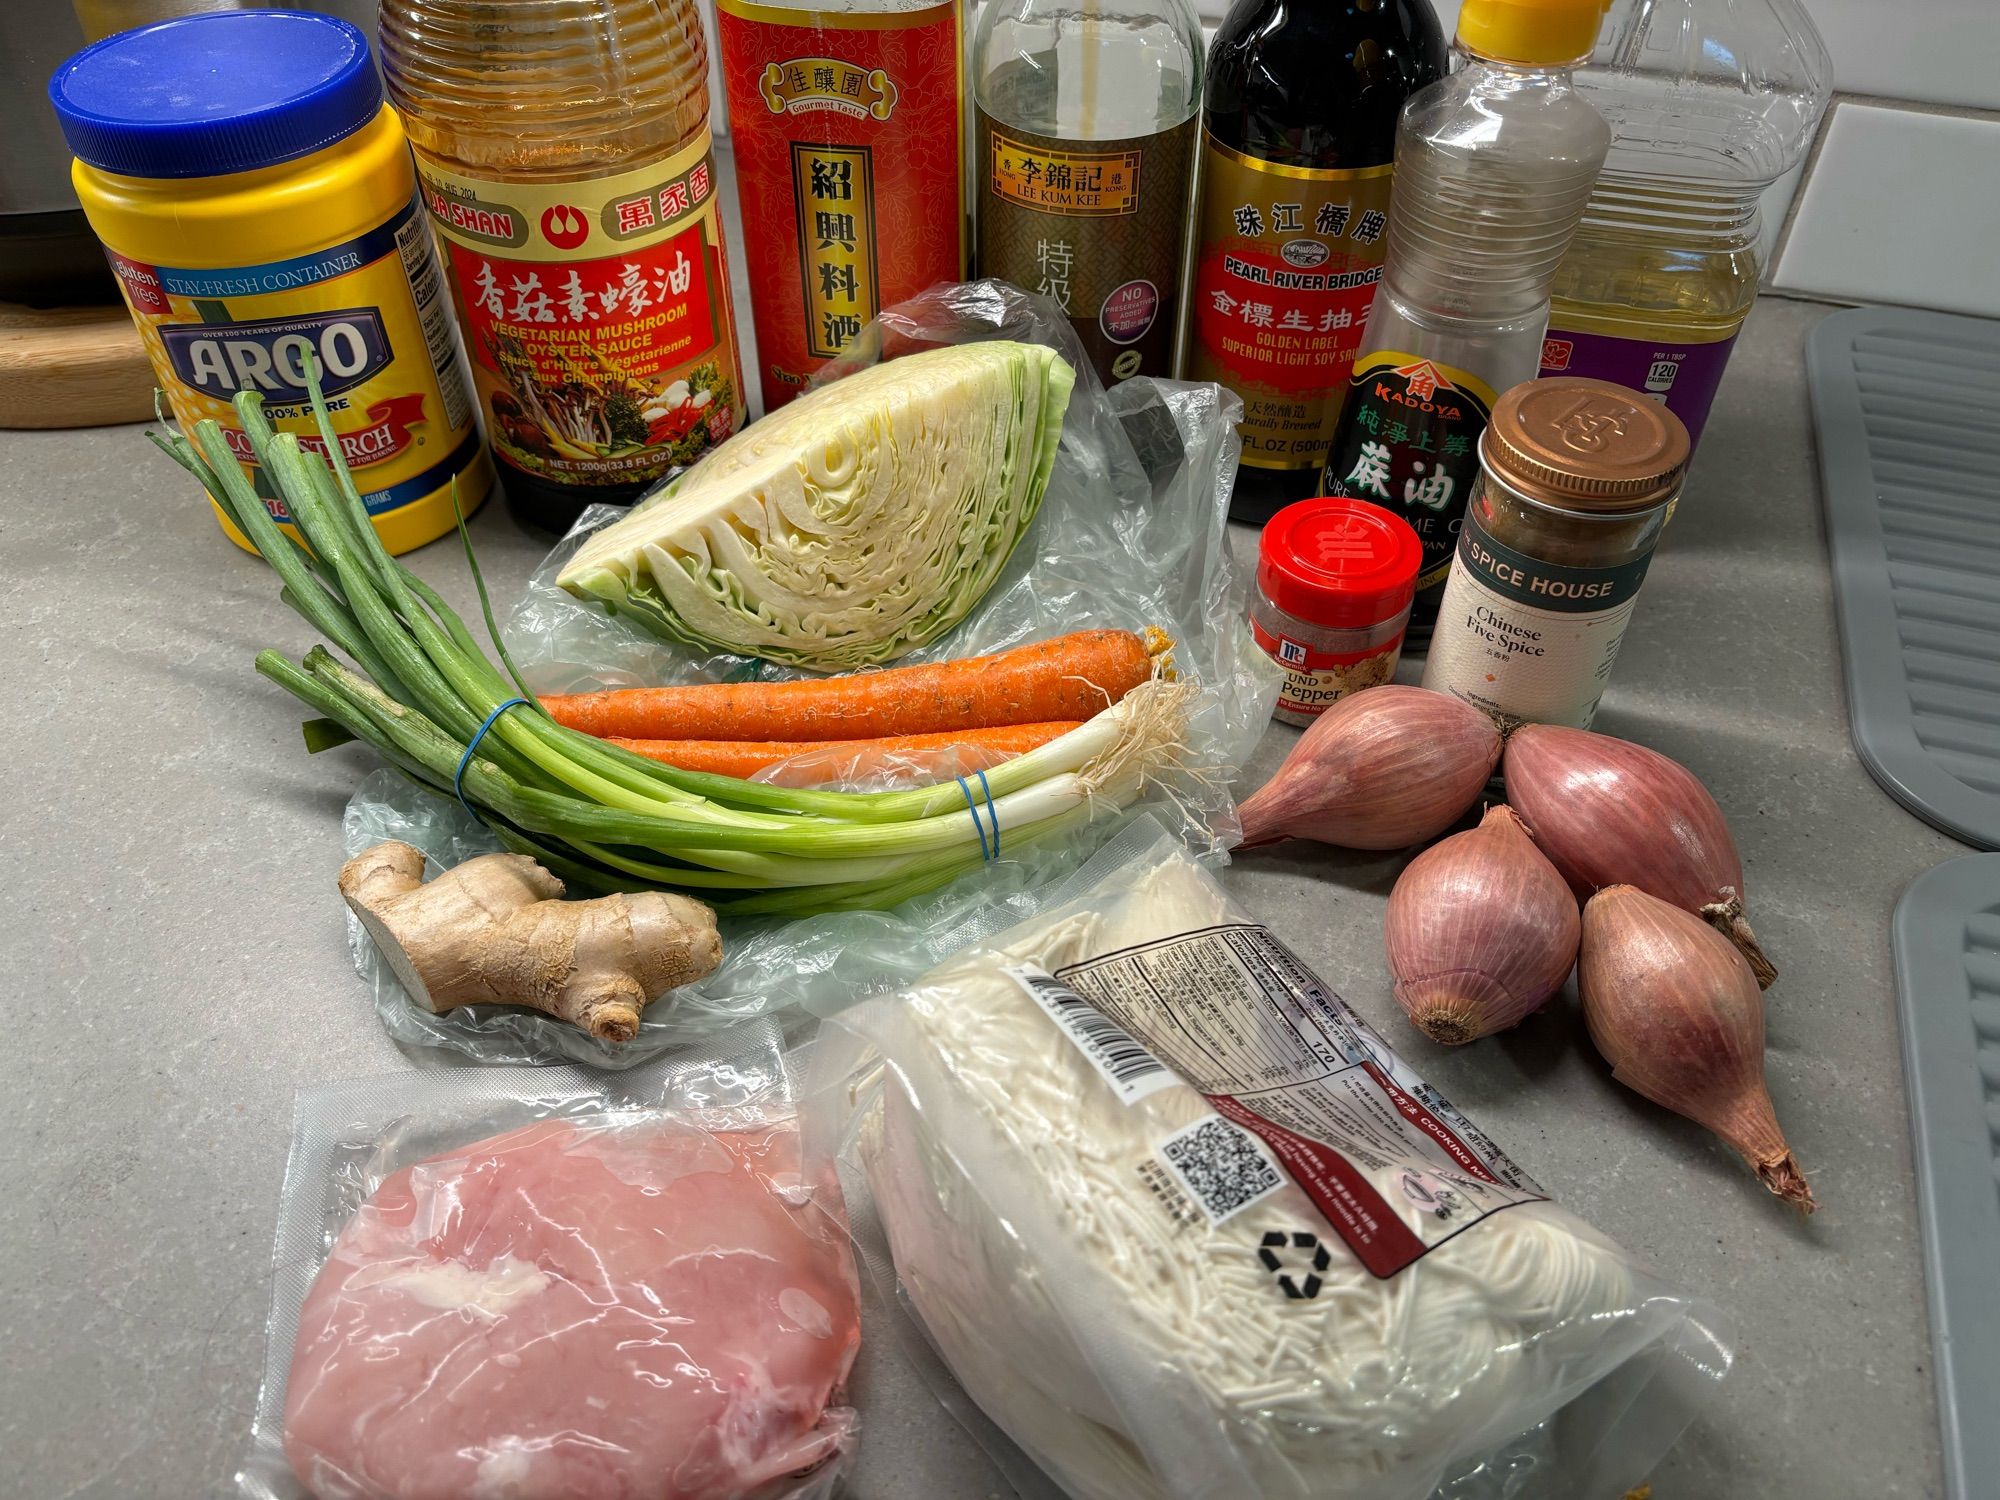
x,y
1084,154
1298,132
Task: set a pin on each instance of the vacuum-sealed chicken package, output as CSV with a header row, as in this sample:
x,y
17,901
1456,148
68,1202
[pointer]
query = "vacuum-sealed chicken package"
x,y
1183,1225
531,1284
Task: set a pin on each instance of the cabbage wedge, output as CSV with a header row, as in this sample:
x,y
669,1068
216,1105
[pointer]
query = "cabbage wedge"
x,y
859,522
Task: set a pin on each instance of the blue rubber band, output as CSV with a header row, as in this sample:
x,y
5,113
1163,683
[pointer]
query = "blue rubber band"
x,y
458,778
987,852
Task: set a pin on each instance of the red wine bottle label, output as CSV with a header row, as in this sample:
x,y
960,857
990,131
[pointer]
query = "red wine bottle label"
x,y
1286,269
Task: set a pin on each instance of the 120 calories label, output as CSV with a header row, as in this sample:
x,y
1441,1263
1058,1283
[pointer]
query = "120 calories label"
x,y
1391,1165
845,128
1288,263
596,314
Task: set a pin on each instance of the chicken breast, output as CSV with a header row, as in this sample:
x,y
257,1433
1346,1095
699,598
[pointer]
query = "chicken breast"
x,y
629,1311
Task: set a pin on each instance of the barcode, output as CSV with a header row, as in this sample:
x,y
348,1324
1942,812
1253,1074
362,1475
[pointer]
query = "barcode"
x,y
420,262
1120,1057
1221,1166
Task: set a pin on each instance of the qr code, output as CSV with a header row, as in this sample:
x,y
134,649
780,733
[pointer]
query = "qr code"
x,y
1221,1166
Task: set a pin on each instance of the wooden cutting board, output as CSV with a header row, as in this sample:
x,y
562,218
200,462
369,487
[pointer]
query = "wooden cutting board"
x,y
72,367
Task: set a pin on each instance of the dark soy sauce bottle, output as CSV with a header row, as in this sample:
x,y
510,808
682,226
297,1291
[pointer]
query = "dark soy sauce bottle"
x,y
1299,133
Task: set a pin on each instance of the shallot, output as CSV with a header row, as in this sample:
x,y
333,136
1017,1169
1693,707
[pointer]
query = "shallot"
x,y
1676,1012
1609,812
1481,931
1383,769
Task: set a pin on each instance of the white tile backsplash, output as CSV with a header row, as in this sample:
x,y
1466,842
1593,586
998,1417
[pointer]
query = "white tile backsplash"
x,y
1936,51
1901,206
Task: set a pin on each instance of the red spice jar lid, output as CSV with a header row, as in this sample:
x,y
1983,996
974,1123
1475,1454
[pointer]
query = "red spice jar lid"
x,y
1339,562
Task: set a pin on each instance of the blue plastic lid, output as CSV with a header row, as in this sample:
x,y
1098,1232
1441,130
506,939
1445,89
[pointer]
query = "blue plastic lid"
x,y
219,92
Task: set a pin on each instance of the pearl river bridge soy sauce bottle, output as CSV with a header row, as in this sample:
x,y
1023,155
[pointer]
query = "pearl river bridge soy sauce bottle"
x,y
1297,143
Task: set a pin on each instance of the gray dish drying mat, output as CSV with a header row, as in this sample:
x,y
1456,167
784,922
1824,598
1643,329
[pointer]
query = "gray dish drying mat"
x,y
1907,407
1947,944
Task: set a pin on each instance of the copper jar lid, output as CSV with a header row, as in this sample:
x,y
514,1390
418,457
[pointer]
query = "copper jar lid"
x,y
1585,444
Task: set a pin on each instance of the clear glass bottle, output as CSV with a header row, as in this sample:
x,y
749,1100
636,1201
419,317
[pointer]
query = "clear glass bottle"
x,y
1493,167
1298,141
1709,102
563,151
1083,147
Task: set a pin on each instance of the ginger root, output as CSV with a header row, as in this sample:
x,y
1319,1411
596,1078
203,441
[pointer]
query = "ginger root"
x,y
492,931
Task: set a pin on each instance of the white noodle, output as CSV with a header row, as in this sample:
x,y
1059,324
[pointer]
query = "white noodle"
x,y
1087,1320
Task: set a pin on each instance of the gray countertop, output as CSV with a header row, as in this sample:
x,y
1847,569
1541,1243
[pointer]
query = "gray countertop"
x,y
176,961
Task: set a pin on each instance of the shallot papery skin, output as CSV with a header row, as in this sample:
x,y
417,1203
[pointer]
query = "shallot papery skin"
x,y
1609,812
1386,768
1676,1011
1481,931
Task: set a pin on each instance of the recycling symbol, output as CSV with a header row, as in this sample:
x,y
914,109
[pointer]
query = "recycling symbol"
x,y
1298,1240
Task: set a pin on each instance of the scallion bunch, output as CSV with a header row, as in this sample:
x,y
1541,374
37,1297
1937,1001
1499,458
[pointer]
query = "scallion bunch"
x,y
604,819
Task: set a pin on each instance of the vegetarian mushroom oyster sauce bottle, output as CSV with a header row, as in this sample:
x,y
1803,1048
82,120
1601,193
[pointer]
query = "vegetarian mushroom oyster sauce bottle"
x,y
563,151
1709,101
1577,478
1298,132
846,127
255,198
1084,147
1493,168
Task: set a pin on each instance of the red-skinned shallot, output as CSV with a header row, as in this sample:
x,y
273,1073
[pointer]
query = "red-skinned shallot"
x,y
1383,769
1676,1012
1609,812
1481,931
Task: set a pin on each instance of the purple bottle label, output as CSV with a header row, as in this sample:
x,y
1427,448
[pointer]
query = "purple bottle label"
x,y
1682,376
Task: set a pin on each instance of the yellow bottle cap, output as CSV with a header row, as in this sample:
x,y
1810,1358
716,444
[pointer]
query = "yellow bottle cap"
x,y
1531,31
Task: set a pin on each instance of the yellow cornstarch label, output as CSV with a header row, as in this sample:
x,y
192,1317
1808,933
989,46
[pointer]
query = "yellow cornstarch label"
x,y
370,314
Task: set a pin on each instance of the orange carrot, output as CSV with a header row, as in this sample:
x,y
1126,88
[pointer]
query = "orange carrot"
x,y
1069,678
746,757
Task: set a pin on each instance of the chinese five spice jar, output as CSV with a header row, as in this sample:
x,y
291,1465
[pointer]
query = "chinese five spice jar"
x,y
257,202
1576,481
1334,582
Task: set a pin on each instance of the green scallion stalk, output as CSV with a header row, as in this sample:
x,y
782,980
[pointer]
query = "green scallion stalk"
x,y
600,817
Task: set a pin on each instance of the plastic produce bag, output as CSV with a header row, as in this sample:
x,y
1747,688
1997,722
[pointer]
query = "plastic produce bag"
x,y
1132,532
1183,1225
768,968
519,1284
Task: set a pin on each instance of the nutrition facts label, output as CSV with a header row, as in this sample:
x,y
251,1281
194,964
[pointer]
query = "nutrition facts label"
x,y
1236,1015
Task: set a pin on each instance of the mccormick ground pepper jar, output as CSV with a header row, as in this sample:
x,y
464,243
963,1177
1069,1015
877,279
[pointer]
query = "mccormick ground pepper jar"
x,y
1334,583
1576,480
